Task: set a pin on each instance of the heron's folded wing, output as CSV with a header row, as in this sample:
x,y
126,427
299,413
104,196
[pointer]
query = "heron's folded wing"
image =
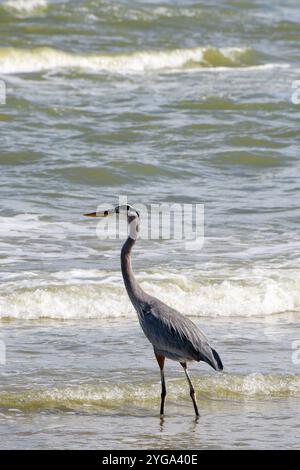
x,y
169,330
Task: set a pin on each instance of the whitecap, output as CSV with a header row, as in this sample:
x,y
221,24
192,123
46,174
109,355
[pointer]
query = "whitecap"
x,y
25,6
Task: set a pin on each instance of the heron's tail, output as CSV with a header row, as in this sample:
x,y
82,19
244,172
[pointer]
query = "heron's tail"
x,y
210,356
217,359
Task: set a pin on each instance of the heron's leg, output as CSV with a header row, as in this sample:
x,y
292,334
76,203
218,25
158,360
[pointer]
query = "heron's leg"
x,y
161,362
192,390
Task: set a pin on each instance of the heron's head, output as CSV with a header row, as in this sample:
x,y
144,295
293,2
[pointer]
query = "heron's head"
x,y
133,216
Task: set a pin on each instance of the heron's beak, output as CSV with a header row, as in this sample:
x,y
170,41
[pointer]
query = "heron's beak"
x,y
99,214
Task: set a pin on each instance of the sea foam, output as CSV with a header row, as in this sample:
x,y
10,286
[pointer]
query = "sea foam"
x,y
14,60
223,386
25,6
82,294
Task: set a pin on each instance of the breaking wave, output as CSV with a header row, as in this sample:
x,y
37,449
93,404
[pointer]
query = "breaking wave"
x,y
25,6
220,386
85,294
14,60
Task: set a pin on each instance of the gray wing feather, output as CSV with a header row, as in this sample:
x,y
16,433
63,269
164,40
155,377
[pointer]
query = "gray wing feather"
x,y
169,330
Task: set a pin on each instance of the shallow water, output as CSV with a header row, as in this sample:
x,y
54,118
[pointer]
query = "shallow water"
x,y
187,102
91,385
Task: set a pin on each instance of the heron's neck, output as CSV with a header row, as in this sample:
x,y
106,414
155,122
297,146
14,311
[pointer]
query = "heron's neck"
x,y
134,291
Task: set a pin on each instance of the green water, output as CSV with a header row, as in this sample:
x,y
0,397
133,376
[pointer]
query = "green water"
x,y
165,102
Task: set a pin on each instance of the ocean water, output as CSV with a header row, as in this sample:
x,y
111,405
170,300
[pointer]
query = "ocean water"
x,y
164,102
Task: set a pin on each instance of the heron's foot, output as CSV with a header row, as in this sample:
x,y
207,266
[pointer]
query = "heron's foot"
x,y
161,422
195,423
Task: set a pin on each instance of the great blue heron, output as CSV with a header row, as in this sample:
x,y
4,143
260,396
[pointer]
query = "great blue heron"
x,y
172,335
